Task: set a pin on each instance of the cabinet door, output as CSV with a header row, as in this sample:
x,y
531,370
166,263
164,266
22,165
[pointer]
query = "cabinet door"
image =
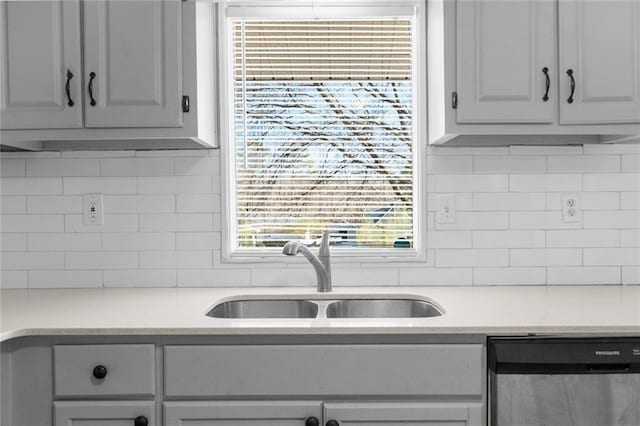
x,y
404,414
39,45
505,49
600,44
265,413
132,48
99,413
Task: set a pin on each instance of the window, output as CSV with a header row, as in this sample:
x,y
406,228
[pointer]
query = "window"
x,y
322,121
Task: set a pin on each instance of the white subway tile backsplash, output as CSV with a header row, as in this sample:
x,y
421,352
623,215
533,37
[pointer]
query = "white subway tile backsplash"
x,y
448,258
65,279
188,222
54,204
140,278
139,241
14,279
63,167
102,260
612,182
13,241
545,183
584,275
198,203
614,219
508,239
545,257
509,164
631,275
13,205
583,238
12,167
509,276
631,163
23,260
102,185
163,221
164,203
187,259
63,241
630,201
583,164
32,223
435,276
30,185
470,183
539,220
137,167
509,201
112,223
612,256
198,240
174,185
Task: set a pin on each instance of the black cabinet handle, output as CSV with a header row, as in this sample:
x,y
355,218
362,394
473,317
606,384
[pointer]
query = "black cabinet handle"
x,y
92,75
312,421
573,85
99,372
545,70
141,421
67,88
332,423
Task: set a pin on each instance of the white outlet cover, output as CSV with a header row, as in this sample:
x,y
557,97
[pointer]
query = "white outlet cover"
x,y
446,212
93,209
571,208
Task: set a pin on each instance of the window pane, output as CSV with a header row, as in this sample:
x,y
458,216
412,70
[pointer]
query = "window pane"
x,y
324,132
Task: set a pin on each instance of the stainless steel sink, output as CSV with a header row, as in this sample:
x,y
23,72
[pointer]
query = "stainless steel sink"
x,y
326,306
382,308
265,308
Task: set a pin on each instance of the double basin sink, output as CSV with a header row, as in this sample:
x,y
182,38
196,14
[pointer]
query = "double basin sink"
x,y
329,306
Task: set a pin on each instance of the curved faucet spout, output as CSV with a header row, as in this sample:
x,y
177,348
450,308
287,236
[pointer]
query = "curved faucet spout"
x,y
321,265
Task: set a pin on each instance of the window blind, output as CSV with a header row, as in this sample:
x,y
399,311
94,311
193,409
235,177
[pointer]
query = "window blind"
x,y
323,128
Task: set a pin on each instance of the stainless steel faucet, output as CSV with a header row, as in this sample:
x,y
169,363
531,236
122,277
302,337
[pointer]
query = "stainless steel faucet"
x,y
321,263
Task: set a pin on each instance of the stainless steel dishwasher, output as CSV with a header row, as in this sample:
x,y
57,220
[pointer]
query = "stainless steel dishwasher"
x,y
564,381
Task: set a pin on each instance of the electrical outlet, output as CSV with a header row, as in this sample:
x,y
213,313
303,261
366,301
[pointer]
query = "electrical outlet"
x,y
446,209
571,208
93,209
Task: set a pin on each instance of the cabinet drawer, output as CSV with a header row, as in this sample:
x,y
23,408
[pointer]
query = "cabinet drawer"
x,y
129,370
103,413
313,370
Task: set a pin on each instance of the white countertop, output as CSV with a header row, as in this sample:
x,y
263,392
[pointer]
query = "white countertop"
x,y
580,310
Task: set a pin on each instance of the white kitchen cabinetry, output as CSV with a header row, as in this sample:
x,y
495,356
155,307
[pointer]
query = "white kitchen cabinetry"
x,y
144,77
600,48
39,57
99,413
132,60
418,414
256,413
494,78
506,57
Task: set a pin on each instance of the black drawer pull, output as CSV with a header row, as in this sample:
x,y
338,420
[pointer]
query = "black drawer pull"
x,y
573,85
92,75
545,70
67,88
332,423
99,372
141,421
312,421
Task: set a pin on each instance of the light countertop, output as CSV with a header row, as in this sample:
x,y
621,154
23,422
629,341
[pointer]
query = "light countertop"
x,y
571,310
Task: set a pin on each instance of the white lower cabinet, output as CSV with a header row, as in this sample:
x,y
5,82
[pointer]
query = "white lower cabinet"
x,y
104,413
313,413
257,413
402,414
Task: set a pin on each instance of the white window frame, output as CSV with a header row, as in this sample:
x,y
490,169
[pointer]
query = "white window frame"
x,y
322,9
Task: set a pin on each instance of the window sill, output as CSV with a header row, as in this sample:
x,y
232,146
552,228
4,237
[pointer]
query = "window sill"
x,y
338,255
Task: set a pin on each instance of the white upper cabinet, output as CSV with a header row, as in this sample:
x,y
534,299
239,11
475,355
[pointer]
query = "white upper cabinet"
x,y
600,48
133,64
40,65
506,56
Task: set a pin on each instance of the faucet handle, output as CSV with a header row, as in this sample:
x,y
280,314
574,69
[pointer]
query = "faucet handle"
x,y
324,244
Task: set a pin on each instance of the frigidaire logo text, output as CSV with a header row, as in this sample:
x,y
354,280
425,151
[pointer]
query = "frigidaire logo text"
x,y
607,353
